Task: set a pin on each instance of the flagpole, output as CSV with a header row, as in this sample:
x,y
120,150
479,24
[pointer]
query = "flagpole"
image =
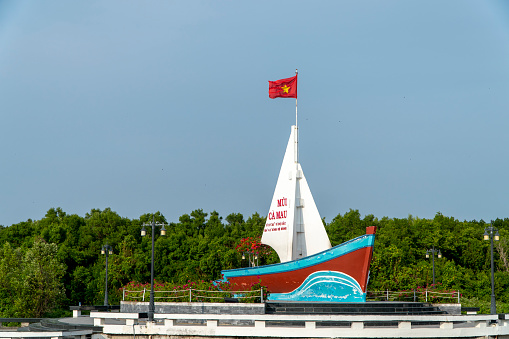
x,y
296,72
296,129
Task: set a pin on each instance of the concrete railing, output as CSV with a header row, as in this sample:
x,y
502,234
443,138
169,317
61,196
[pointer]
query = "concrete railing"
x,y
302,326
76,310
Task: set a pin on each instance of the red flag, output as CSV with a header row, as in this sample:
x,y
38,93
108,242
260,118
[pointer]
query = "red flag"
x,y
284,88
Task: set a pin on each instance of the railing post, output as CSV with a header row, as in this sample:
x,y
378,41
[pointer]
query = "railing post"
x,y
387,295
190,294
426,295
261,295
458,296
143,297
414,296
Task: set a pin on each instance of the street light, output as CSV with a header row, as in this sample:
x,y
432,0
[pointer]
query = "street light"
x,y
491,233
252,258
106,250
433,251
151,306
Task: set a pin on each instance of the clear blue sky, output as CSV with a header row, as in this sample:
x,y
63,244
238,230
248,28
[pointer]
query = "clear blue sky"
x,y
163,106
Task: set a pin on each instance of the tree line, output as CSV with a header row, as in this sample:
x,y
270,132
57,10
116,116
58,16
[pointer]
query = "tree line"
x,y
49,264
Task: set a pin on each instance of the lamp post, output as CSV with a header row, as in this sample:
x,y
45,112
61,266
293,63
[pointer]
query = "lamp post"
x,y
106,250
432,251
252,258
151,306
491,233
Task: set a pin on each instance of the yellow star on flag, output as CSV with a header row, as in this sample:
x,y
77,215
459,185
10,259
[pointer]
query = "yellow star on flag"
x,y
283,88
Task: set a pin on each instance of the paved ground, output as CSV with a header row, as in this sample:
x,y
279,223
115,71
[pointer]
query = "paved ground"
x,y
86,320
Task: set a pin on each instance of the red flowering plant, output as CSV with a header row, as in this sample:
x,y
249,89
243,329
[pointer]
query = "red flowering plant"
x,y
193,291
247,294
436,294
253,250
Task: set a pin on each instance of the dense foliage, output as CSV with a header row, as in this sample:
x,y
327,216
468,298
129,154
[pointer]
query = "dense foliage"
x,y
49,264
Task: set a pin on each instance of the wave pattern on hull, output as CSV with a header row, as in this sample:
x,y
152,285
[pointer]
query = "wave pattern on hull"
x,y
327,286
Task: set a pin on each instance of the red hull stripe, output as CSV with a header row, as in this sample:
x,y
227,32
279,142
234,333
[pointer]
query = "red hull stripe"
x,y
355,264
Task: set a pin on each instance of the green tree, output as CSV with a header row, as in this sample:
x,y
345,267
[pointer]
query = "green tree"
x,y
40,286
10,264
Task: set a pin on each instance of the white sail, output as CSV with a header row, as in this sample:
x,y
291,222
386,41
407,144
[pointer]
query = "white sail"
x,y
294,228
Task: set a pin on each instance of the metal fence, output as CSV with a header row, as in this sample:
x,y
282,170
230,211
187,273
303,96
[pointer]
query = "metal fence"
x,y
191,294
415,295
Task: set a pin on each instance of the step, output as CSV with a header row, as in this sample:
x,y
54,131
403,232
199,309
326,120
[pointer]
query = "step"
x,y
376,308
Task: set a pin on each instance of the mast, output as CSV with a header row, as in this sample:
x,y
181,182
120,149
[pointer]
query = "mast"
x,y
294,228
296,129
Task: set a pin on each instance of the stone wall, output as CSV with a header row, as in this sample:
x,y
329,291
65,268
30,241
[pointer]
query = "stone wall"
x,y
192,308
454,309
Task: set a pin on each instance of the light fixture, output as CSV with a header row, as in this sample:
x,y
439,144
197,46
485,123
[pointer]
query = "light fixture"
x,y
107,250
491,233
153,224
433,251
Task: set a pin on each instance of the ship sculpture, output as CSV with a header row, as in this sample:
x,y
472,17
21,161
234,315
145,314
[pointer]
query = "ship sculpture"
x,y
310,269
